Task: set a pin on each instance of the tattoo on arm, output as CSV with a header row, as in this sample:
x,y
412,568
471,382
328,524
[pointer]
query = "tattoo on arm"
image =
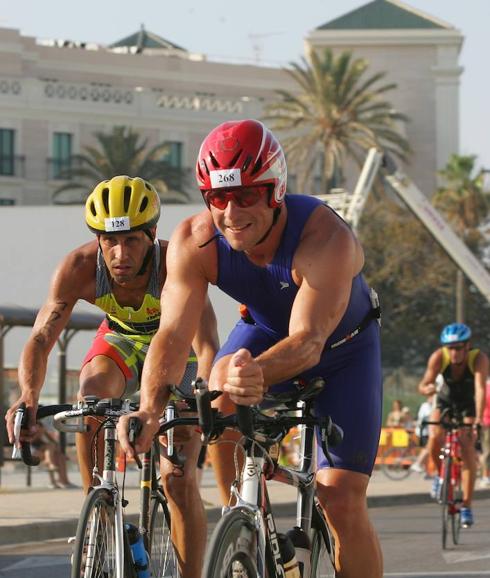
x,y
44,334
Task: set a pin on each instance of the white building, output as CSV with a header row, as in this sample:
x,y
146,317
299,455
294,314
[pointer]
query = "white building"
x,y
55,95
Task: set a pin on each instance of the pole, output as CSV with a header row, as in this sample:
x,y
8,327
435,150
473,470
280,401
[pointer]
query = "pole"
x,y
63,342
460,296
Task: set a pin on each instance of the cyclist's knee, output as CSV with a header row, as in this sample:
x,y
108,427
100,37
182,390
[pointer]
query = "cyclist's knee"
x,y
344,500
179,483
101,377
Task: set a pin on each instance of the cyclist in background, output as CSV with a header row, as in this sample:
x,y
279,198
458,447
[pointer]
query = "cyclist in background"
x,y
122,271
457,374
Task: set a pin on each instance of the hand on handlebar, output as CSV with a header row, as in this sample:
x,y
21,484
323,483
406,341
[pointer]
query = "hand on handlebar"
x,y
245,379
149,428
27,433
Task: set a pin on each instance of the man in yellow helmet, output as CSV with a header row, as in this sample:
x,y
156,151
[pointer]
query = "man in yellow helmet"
x,y
122,271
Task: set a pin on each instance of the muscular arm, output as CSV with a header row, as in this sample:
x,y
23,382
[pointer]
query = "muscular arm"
x,y
184,297
325,264
427,384
66,288
481,375
206,341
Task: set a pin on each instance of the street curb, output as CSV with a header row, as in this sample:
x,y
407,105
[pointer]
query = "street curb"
x,y
50,530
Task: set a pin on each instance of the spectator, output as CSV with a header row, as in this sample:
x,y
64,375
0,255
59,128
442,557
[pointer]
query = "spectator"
x,y
422,432
395,417
485,441
45,445
407,418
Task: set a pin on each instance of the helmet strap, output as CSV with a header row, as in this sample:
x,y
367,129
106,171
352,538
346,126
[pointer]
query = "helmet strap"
x,y
275,217
147,259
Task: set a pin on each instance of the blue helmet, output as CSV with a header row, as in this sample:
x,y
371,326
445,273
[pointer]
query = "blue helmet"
x,y
455,333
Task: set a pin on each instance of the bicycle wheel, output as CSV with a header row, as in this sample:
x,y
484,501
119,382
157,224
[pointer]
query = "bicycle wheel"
x,y
456,511
322,546
163,559
396,462
233,548
95,543
445,499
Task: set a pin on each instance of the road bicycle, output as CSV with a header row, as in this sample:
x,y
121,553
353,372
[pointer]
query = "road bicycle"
x,y
102,543
450,494
245,542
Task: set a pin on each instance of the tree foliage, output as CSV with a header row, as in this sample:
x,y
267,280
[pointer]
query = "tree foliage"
x,y
121,152
415,279
338,114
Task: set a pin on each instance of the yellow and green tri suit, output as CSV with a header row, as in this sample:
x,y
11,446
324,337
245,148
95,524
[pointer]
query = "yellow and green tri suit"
x,y
125,334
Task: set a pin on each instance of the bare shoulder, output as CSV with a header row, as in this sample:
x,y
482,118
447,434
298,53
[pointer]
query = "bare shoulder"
x,y
326,234
435,360
191,244
481,360
75,275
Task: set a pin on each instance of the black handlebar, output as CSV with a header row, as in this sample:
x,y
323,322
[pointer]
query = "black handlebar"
x,y
245,420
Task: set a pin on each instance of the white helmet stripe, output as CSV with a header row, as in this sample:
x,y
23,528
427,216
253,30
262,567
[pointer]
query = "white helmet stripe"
x,y
262,143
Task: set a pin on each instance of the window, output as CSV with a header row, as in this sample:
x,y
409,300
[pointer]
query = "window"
x,y
174,154
7,159
62,153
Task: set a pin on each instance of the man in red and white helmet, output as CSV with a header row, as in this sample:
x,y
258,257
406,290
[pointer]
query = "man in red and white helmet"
x,y
296,266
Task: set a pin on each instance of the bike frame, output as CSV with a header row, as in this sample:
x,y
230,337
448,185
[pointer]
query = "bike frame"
x,y
452,449
255,498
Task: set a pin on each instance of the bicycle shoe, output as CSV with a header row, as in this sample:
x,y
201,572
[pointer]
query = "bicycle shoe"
x,y
466,517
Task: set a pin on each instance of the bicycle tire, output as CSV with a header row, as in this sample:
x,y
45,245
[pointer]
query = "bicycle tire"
x,y
456,511
163,558
396,462
233,547
96,541
322,546
445,496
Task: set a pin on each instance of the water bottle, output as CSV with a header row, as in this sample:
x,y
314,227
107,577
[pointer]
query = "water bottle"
x,y
302,547
140,556
288,556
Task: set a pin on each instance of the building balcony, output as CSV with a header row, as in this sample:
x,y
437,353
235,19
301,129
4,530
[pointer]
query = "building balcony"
x,y
59,169
12,166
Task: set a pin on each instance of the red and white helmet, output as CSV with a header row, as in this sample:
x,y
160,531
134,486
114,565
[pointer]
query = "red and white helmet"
x,y
242,153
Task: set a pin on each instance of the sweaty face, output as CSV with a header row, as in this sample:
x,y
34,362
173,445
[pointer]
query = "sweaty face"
x,y
243,219
124,254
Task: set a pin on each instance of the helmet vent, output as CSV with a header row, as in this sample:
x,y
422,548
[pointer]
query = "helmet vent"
x,y
246,164
257,166
147,185
92,209
213,160
127,198
205,166
105,199
234,159
144,204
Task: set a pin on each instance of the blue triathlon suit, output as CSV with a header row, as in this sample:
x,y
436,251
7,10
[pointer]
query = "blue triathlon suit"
x,y
352,371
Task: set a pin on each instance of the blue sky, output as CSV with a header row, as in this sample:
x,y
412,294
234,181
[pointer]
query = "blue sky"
x,y
272,30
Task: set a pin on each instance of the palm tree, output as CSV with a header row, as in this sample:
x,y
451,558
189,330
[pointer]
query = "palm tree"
x,y
465,205
338,114
462,198
121,152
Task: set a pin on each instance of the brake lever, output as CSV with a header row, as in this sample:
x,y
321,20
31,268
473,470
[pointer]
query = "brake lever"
x,y
169,416
134,430
20,423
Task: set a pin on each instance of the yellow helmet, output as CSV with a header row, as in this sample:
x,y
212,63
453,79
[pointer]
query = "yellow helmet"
x,y
122,204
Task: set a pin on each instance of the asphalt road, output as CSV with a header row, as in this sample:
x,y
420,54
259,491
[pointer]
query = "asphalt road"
x,y
410,538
